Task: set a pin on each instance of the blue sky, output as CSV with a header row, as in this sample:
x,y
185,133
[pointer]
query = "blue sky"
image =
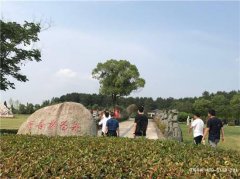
x,y
180,48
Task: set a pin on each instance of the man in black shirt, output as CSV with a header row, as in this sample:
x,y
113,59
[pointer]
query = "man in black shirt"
x,y
214,128
140,124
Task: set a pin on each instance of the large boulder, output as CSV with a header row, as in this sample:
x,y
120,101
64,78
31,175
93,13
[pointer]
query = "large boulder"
x,y
64,119
5,111
132,109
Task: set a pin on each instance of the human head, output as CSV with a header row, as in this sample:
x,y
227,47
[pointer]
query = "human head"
x,y
211,113
106,114
140,109
196,115
112,114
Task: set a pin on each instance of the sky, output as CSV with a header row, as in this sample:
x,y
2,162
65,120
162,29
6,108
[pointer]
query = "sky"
x,y
181,48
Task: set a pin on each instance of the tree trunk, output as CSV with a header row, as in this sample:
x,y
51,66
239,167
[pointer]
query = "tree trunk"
x,y
114,100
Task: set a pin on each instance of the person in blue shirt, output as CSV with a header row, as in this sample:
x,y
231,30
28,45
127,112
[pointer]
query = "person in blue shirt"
x,y
112,126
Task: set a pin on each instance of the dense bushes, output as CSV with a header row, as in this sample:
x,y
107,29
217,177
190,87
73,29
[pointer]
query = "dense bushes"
x,y
182,116
88,157
8,131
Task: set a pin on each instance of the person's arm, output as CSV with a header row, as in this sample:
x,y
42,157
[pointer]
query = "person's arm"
x,y
106,131
206,131
222,131
134,128
100,122
191,127
205,135
118,132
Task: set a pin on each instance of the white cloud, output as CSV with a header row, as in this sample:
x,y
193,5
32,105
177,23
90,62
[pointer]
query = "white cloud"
x,y
66,73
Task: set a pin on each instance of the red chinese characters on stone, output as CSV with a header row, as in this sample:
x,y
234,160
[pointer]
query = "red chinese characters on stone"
x,y
30,124
52,124
75,127
41,125
63,125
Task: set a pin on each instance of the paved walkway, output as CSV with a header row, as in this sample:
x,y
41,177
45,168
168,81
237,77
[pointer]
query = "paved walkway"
x,y
126,129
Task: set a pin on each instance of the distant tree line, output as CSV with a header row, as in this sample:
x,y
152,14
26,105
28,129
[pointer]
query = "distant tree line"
x,y
227,104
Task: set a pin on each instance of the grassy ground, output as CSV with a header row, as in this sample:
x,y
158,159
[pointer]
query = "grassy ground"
x,y
232,137
13,123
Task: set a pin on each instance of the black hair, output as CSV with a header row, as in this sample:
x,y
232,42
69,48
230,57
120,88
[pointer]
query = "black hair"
x,y
106,114
141,109
197,114
112,114
212,112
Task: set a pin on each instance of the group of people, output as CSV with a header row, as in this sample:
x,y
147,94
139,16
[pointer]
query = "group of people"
x,y
110,125
214,129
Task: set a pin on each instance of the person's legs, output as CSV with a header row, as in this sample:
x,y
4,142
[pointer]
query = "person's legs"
x,y
213,143
216,141
112,133
198,139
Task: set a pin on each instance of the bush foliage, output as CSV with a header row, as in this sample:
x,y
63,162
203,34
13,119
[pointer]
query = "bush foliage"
x,y
182,116
100,157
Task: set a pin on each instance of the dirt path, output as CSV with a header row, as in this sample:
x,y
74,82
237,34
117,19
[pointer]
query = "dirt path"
x,y
126,129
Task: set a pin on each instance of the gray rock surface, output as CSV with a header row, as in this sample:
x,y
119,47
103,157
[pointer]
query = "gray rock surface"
x,y
169,120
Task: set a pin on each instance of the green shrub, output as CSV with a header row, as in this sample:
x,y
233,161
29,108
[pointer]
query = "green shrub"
x,y
231,123
8,131
182,116
103,157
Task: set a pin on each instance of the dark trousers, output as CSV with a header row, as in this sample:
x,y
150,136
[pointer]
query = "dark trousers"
x,y
198,139
112,133
103,134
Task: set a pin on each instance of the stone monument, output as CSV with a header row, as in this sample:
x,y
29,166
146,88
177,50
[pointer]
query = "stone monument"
x,y
169,120
64,119
5,111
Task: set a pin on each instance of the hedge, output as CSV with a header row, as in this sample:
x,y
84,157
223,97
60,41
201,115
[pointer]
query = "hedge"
x,y
102,157
8,131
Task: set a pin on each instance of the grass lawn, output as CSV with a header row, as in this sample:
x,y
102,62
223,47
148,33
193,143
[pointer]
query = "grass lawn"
x,y
232,137
13,123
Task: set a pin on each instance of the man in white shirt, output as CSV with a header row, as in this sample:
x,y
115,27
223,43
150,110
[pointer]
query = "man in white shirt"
x,y
103,122
197,126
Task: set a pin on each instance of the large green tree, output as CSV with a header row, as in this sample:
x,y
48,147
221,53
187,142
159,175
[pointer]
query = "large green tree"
x,y
202,105
16,41
117,78
235,105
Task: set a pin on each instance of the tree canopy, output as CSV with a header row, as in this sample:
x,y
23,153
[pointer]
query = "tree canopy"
x,y
16,41
117,78
229,109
